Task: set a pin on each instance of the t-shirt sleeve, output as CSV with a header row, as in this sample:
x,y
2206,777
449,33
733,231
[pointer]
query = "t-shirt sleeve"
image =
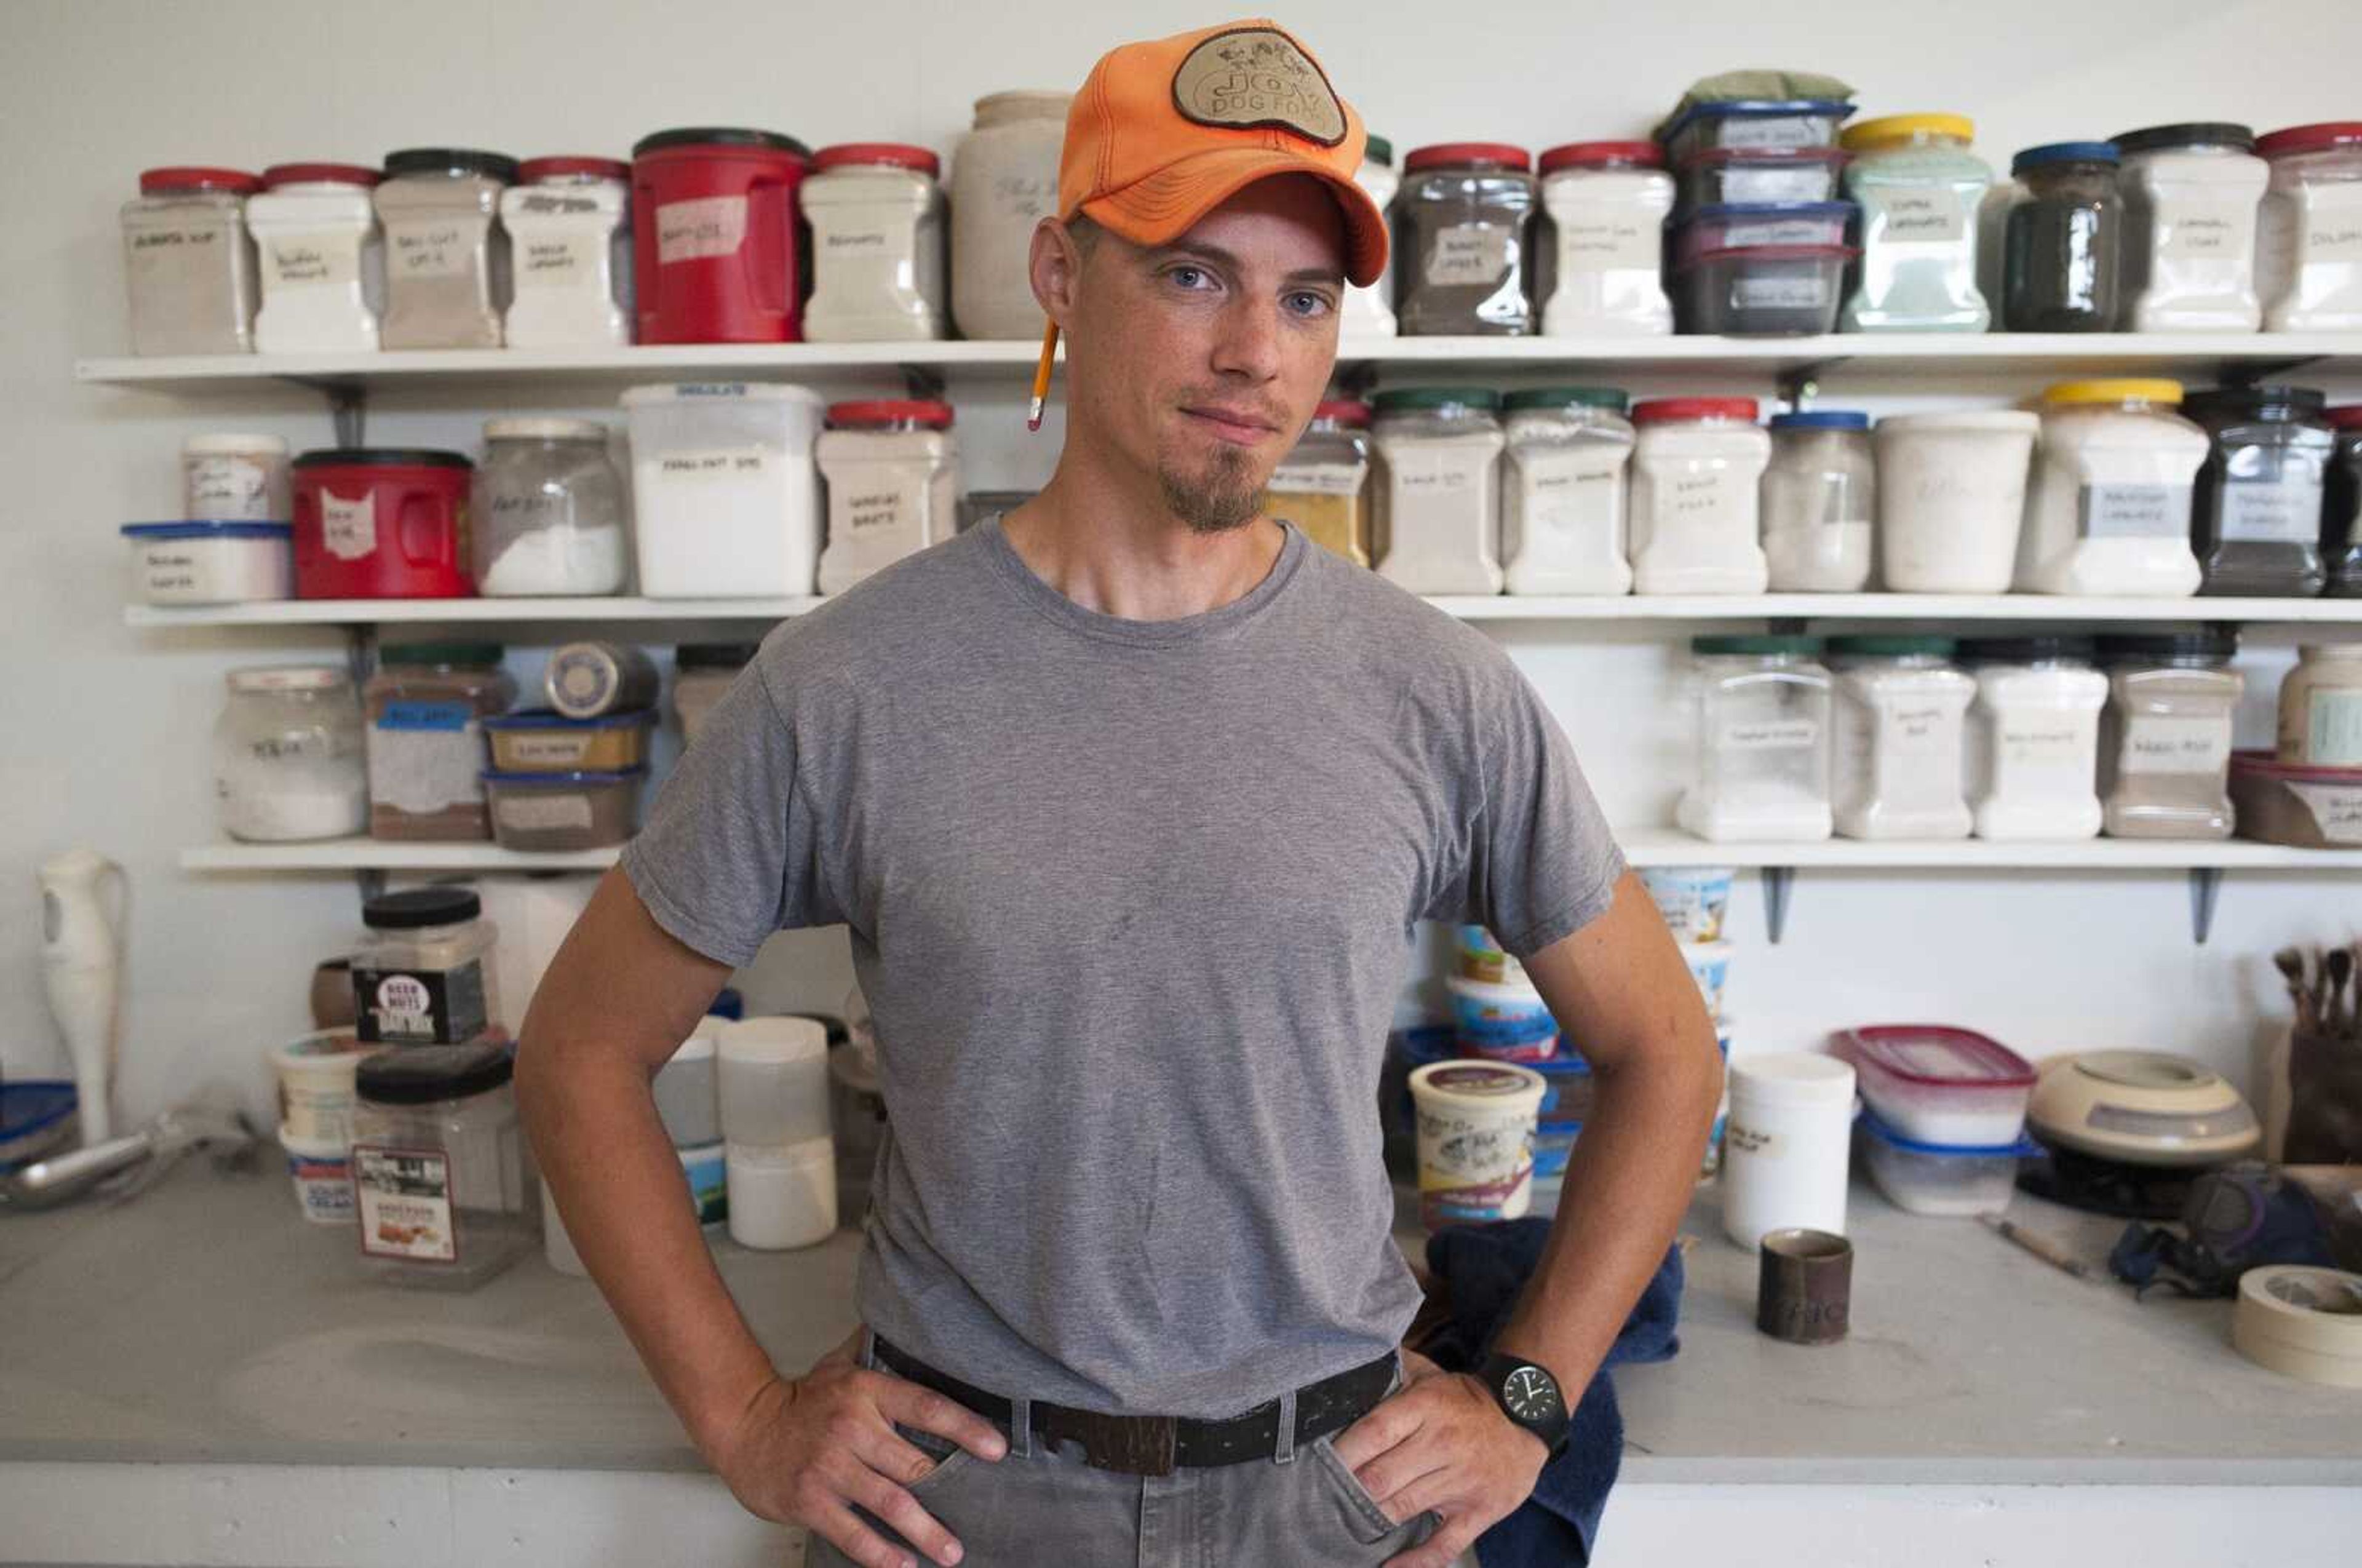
x,y
731,850
1537,861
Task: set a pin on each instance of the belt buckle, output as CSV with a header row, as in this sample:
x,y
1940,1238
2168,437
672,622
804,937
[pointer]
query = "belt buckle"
x,y
1135,1445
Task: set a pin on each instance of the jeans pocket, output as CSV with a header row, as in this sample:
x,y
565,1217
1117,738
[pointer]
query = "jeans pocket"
x,y
949,1457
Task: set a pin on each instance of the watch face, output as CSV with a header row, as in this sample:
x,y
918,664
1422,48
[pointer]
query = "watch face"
x,y
1530,1394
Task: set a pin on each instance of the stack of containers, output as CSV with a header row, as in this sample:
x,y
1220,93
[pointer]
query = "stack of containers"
x,y
1945,1124
1695,903
315,1075
569,776
1499,1016
1758,245
779,1155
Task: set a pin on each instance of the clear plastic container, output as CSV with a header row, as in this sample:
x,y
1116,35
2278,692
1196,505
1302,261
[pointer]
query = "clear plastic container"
x,y
1901,712
1731,226
1753,125
426,971
549,509
447,256
892,469
1370,313
2063,240
1562,492
702,673
323,259
563,810
1599,263
2192,192
540,740
725,495
1763,290
2309,245
236,478
426,710
1940,1084
1437,525
569,228
2034,738
2165,739
1938,1179
288,755
1004,181
876,216
1697,464
1461,226
446,1196
2320,707
2341,506
1762,174
210,563
1919,187
1323,484
189,262
2256,521
1820,503
1951,499
1763,711
2109,514
2304,807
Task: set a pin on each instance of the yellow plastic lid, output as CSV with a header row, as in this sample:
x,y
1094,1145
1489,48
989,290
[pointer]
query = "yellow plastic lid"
x,y
2123,389
1890,130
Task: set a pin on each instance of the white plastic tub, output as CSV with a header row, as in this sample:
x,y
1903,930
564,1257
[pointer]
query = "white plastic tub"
x,y
315,1075
1951,499
1932,1178
211,563
723,489
321,1170
1941,1086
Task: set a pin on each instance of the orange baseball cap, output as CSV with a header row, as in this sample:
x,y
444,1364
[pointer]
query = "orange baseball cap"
x,y
1164,132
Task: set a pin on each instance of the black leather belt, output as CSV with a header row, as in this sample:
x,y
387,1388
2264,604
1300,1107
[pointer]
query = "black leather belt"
x,y
1156,1445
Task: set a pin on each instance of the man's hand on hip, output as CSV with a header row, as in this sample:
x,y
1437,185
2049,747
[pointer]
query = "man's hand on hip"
x,y
1441,1443
807,1452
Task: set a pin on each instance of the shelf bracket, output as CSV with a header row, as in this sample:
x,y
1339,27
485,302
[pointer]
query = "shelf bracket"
x,y
1778,881
2206,882
1801,384
348,407
922,383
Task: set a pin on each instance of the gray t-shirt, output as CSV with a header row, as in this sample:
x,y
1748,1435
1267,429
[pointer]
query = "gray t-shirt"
x,y
1131,902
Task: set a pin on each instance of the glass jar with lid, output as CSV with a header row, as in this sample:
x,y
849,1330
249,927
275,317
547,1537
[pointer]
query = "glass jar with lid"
x,y
1820,502
2165,738
2255,517
2034,737
2192,192
548,511
1370,313
288,755
1919,188
877,217
1763,715
2320,707
2309,244
1599,248
446,254
189,262
2062,240
2108,512
2341,506
892,468
1323,484
1697,466
1004,181
1463,224
442,1187
1562,490
424,971
426,705
323,256
1437,524
569,225
1901,716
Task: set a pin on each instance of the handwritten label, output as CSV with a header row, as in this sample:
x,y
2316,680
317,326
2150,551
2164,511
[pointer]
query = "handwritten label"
x,y
2263,512
1771,130
1793,291
1319,479
324,261
1771,735
2336,810
443,250
223,487
553,261
1468,254
543,814
869,512
2133,511
1702,495
1782,231
691,231
1429,479
348,528
732,463
1608,245
2175,745
1025,196
856,242
1777,182
2055,753
2206,230
2333,237
1920,217
2333,729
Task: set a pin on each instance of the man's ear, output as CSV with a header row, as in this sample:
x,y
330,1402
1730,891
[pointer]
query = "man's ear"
x,y
1054,265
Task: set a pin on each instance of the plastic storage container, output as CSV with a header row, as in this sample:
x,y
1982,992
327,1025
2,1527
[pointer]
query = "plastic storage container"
x,y
1901,712
381,523
569,225
2341,506
1710,967
776,1126
1754,125
426,707
1370,313
1919,188
2192,192
1820,503
1437,527
1785,1147
288,755
1732,225
2034,738
702,673
1503,1021
2309,244
725,496
1697,464
2304,807
2109,514
1004,181
2256,521
1693,900
1940,1084
1323,484
316,1086
1951,499
548,511
189,262
1942,1179
445,1196
425,973
321,1170
564,809
1762,724
210,563
590,681
1763,290
715,240
236,478
1463,224
1762,174
322,258
540,741
892,469
1605,204
2165,739
1480,956
446,257
1562,492
2320,707
2063,240
1475,1123
877,217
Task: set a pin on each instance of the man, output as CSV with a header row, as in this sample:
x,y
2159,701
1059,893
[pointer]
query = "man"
x,y
1132,800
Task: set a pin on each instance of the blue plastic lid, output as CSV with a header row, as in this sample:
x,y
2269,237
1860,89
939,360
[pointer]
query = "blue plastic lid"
x,y
494,775
550,719
1822,419
2020,1147
1756,108
1720,211
2065,152
29,1108
209,530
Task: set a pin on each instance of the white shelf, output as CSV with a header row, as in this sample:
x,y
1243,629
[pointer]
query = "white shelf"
x,y
369,855
459,611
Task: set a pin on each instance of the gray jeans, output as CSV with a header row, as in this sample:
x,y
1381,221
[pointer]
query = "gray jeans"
x,y
1034,1508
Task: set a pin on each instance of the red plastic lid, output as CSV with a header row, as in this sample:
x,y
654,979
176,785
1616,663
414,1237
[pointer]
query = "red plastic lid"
x,y
1343,410
1659,410
1773,253
2345,416
536,169
1597,154
2267,765
1933,1055
1832,156
157,181
1470,154
892,154
891,411
279,174
2311,138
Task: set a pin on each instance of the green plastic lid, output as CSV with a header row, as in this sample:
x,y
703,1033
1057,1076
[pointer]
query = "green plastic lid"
x,y
1893,647
1397,400
1725,643
1378,150
412,656
1613,399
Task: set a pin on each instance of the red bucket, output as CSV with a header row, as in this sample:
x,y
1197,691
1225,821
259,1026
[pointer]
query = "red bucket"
x,y
376,524
717,249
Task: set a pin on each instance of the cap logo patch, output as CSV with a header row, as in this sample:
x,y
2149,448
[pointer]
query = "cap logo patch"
x,y
1255,77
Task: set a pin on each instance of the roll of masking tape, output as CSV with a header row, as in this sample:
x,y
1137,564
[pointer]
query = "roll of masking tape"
x,y
2306,1322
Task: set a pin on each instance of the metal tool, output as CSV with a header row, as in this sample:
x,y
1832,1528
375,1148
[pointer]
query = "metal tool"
x,y
2043,1247
127,1165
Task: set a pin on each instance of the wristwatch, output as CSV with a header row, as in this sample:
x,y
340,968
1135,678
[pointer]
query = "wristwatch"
x,y
1529,1395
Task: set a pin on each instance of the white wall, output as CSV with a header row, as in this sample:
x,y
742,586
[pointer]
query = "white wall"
x,y
106,734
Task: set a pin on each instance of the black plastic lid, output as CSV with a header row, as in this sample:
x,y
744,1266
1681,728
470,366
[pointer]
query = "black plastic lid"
x,y
1728,644
2256,403
2168,647
450,161
2186,133
415,909
2024,650
434,655
715,656
422,1075
838,1034
383,457
719,136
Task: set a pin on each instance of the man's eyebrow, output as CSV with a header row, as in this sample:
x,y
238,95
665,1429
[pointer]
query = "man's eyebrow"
x,y
1194,250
